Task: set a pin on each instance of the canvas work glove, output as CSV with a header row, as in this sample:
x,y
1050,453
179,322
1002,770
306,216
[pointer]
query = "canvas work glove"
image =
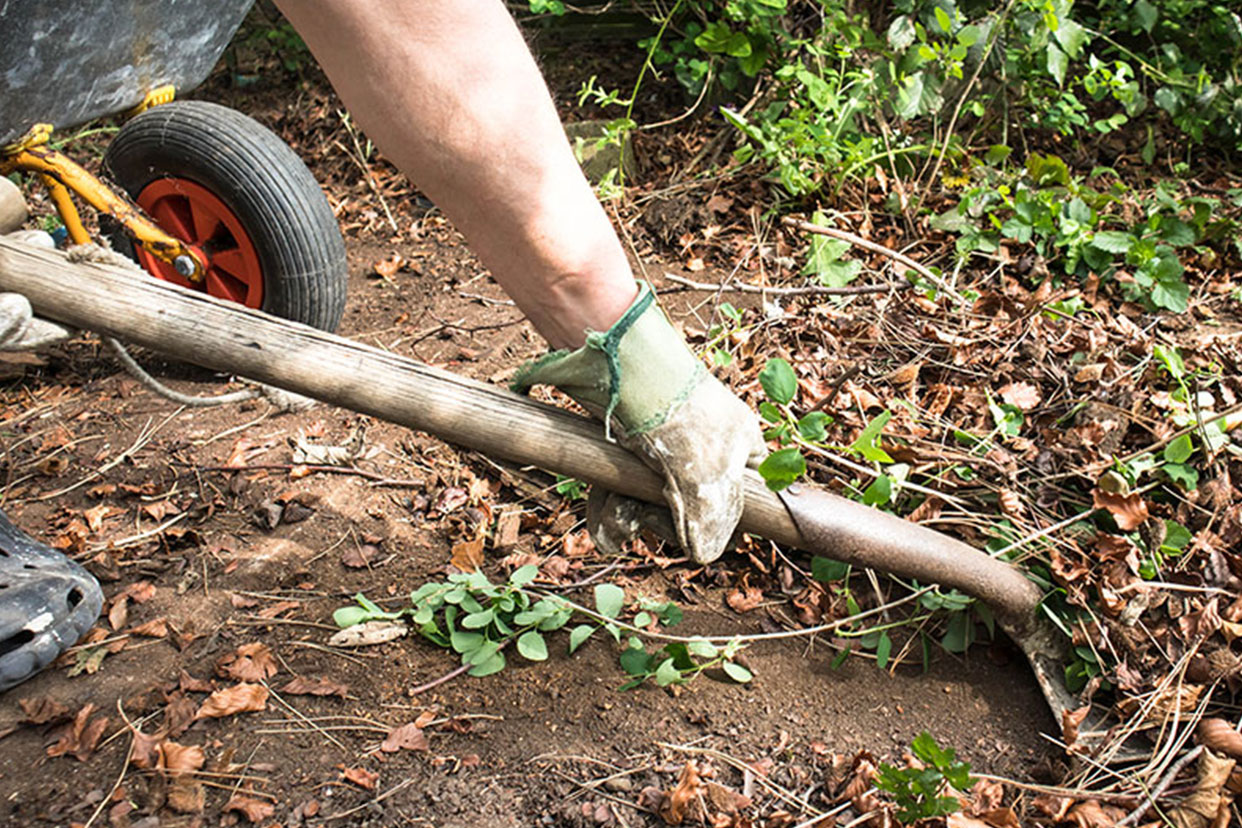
x,y
21,330
659,401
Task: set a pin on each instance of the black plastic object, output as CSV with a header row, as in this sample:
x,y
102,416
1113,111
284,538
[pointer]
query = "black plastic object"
x,y
262,182
68,63
47,602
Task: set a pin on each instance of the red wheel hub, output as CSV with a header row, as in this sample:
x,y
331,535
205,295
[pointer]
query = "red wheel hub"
x,y
193,214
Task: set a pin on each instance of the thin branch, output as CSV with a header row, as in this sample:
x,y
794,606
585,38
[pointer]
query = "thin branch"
x,y
832,232
808,290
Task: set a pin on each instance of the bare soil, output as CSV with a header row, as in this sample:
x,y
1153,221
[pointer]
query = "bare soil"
x,y
524,747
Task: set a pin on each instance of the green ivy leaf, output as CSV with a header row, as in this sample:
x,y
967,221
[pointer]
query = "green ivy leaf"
x,y
883,649
494,663
579,634
826,570
782,467
737,672
868,442
1179,450
348,616
609,600
813,427
778,381
532,646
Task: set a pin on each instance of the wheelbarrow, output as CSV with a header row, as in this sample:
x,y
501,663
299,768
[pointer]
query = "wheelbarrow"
x,y
201,329
220,204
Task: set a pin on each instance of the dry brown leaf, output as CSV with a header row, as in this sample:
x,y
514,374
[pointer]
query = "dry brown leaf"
x,y
96,515
42,710
1130,511
508,524
361,557
387,268
406,737
118,613
361,777
929,509
144,750
303,686
677,802
179,714
468,555
186,795
189,684
155,628
1051,805
425,719
1203,807
1021,395
254,810
1220,736
744,597
278,608
252,662
1070,722
242,698
180,759
1091,814
79,738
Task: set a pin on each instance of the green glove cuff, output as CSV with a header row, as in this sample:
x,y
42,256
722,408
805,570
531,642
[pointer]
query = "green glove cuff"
x,y
637,371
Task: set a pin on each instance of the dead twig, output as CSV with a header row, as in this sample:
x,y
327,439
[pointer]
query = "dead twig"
x,y
859,241
807,290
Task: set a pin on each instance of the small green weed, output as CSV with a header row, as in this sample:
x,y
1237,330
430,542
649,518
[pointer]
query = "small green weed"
x,y
919,791
477,619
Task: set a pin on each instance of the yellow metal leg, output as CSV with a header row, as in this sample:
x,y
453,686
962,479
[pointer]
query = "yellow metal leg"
x,y
67,209
63,176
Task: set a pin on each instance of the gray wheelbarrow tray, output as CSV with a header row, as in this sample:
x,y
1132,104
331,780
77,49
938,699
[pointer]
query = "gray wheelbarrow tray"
x,y
196,328
69,63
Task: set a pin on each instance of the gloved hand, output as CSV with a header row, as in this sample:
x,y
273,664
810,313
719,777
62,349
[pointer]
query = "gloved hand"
x,y
21,330
661,403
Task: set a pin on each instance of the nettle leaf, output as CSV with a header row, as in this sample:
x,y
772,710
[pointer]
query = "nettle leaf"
x,y
1171,295
1113,241
1071,37
778,381
781,468
609,600
532,646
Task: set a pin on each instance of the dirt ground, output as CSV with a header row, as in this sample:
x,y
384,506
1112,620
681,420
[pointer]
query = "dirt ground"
x,y
137,488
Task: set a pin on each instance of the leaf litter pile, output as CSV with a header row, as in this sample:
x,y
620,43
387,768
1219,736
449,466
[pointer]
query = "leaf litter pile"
x,y
1061,426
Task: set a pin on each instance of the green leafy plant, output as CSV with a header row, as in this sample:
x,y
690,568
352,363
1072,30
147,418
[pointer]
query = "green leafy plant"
x,y
919,792
477,619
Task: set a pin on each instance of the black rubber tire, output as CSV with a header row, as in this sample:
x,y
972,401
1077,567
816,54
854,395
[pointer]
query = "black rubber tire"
x,y
264,183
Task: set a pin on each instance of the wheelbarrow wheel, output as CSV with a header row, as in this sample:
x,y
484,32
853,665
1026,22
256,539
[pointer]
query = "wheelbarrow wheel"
x,y
223,183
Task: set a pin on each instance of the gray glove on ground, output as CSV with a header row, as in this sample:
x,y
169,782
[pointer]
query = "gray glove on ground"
x,y
661,403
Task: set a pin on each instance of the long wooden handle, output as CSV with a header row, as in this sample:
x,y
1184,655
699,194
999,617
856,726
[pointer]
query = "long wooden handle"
x,y
124,303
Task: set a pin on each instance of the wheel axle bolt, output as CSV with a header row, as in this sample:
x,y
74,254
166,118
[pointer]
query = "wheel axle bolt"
x,y
184,265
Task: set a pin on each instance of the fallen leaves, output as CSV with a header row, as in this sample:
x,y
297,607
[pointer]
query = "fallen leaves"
x,y
406,737
744,597
361,777
1129,511
249,663
80,737
241,698
467,555
254,810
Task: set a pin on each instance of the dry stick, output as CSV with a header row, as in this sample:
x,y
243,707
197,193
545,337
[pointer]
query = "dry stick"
x,y
832,232
143,438
378,478
1161,787
124,768
948,133
303,717
399,786
808,290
